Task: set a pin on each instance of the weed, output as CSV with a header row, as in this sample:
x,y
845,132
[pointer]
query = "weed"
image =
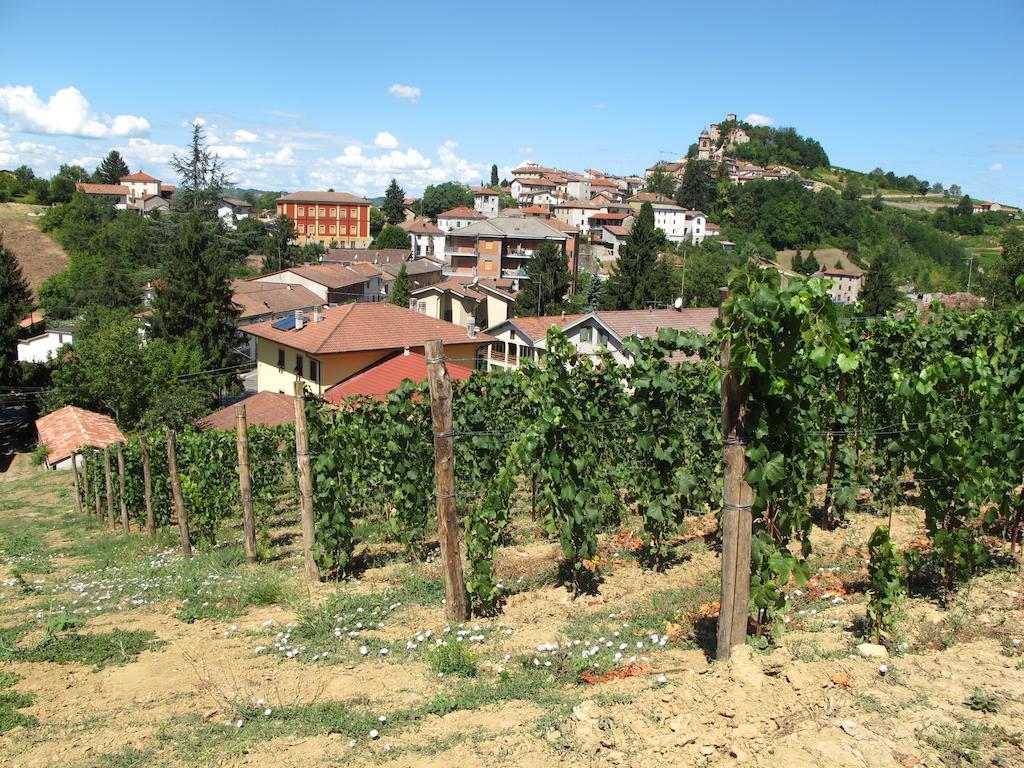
x,y
11,702
981,700
452,659
968,743
100,650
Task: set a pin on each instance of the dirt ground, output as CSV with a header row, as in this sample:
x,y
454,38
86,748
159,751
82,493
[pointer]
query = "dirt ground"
x,y
38,255
951,692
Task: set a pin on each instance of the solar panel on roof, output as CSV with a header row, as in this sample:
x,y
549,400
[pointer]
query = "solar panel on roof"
x,y
285,323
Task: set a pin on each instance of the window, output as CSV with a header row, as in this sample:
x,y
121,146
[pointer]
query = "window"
x,y
314,371
586,334
334,229
298,365
333,212
302,210
602,339
323,212
280,358
323,229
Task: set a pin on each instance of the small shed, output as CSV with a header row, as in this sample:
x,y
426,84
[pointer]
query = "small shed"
x,y
71,429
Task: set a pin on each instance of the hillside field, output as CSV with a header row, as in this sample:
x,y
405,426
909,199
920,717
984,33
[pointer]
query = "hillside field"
x,y
116,651
38,255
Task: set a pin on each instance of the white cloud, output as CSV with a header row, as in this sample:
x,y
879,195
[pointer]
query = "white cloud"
x,y
755,119
455,166
229,151
409,93
385,140
245,137
525,150
996,166
66,113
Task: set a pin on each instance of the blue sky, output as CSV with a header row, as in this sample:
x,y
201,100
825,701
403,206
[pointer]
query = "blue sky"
x,y
347,95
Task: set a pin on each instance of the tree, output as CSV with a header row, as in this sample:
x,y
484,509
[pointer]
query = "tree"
x,y
377,221
193,302
438,198
697,189
392,236
595,293
965,207
279,251
547,285
880,293
202,173
954,190
639,278
1006,278
937,188
853,188
62,185
401,292
15,302
111,169
393,207
660,183
494,177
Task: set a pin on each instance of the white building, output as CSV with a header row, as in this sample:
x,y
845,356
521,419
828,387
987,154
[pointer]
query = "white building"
x,y
45,346
457,218
679,224
140,185
578,188
231,211
426,239
334,283
522,187
485,201
577,213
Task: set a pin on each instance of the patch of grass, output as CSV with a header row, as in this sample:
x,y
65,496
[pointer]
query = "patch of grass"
x,y
969,743
452,659
100,650
981,700
128,757
11,702
23,545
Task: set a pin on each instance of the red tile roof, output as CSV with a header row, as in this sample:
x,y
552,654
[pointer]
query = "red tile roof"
x,y
102,189
323,197
366,326
421,227
536,328
70,428
611,216
255,298
138,176
330,275
266,408
384,377
646,322
483,191
462,212
536,209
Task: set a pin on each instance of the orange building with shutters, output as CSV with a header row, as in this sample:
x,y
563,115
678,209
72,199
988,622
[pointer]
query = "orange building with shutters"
x,y
328,217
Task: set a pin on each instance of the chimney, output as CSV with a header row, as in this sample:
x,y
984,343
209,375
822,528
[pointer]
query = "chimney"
x,y
406,351
318,313
300,319
471,329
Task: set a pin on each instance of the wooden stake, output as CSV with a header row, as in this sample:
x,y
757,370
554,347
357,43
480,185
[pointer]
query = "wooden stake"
x,y
109,486
736,512
305,483
85,483
78,494
179,502
120,488
147,487
456,601
245,484
96,490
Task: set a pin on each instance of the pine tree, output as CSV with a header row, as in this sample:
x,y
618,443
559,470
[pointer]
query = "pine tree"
x,y
392,236
697,190
880,293
202,173
394,203
278,250
798,262
111,169
401,292
547,282
595,292
15,302
193,303
639,278
1006,277
494,176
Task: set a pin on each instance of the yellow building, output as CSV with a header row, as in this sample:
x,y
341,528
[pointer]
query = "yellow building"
x,y
328,346
462,300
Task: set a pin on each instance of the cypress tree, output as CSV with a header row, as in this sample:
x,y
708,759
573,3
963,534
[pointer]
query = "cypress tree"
x,y
638,278
401,293
15,302
494,176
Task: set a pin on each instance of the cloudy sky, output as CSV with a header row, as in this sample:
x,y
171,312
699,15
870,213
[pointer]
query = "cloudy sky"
x,y
343,95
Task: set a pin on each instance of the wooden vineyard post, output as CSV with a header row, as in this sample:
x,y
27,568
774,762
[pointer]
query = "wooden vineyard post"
x,y
109,486
179,502
736,511
456,601
245,483
305,483
147,486
85,483
78,490
120,488
96,489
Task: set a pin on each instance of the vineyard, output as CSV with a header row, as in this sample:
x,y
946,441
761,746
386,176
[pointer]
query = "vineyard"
x,y
805,425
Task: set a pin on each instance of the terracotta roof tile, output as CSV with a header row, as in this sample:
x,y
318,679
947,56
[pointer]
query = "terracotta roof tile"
x,y
421,227
268,409
323,197
102,189
70,428
462,212
255,298
380,379
138,176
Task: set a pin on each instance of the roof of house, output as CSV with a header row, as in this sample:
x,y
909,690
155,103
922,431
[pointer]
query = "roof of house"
x,y
102,189
413,268
483,191
138,176
536,328
235,202
380,379
421,227
616,230
535,209
410,201
167,188
843,272
471,286
650,197
70,428
323,197
562,225
368,255
268,409
536,182
599,182
646,322
527,227
462,212
366,326
610,216
255,298
331,275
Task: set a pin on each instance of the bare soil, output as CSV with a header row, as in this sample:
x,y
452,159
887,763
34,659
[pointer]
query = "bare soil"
x,y
809,700
38,255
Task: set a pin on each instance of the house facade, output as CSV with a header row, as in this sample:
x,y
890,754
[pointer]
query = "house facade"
x,y
502,246
333,283
44,347
457,218
462,301
328,217
485,200
846,284
426,240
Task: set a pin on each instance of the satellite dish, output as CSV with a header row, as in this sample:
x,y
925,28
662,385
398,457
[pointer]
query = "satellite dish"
x,y
678,303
